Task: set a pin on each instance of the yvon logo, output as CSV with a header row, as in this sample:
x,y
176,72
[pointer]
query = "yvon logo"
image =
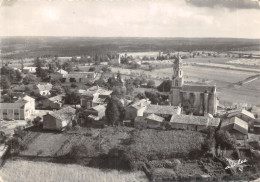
x,y
234,163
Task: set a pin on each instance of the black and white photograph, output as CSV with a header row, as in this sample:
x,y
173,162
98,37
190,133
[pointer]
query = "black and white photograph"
x,y
130,90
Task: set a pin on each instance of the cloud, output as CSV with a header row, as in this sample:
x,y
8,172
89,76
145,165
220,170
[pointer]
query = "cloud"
x,y
231,4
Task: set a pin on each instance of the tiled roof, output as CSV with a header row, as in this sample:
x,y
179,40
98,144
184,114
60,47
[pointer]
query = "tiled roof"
x,y
56,98
64,114
93,117
139,119
163,109
195,120
155,117
99,108
43,87
79,74
198,88
17,105
243,111
140,104
236,124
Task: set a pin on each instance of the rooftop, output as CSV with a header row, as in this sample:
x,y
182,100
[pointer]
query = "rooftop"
x,y
99,108
64,114
163,109
195,120
236,124
198,88
155,117
43,87
243,111
17,105
56,98
140,104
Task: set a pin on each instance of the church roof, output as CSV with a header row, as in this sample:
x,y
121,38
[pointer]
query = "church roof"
x,y
198,88
163,109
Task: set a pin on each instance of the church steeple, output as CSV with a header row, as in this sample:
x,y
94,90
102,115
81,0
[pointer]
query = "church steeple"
x,y
177,78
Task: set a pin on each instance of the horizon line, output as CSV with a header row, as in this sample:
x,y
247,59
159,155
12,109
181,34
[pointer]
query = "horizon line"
x,y
68,36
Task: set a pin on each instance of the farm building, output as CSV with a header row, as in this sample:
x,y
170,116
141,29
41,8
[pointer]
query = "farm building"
x,y
162,110
58,120
153,121
236,127
20,110
80,77
136,109
94,96
98,111
242,114
44,89
51,103
195,123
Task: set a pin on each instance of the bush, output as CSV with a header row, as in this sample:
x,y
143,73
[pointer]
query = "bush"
x,y
73,85
37,121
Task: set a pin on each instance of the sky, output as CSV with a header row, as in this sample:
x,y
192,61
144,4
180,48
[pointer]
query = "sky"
x,y
128,18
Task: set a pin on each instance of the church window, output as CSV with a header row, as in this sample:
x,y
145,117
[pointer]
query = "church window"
x,y
176,83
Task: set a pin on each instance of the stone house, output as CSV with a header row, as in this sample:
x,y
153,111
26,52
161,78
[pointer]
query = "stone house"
x,y
20,110
242,114
80,77
163,111
58,120
136,109
98,111
195,123
55,102
44,89
236,127
153,121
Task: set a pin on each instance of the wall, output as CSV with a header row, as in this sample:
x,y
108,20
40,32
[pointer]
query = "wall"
x,y
175,96
49,122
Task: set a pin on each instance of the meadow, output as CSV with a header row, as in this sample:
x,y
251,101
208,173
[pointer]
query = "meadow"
x,y
28,171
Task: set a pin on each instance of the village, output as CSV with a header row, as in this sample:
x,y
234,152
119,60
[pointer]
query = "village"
x,y
58,96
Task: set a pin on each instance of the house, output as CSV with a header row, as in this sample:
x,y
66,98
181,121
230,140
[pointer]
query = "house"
x,y
55,102
94,96
154,121
29,69
140,122
236,127
242,114
62,72
98,111
44,89
80,77
162,110
20,110
136,109
191,122
58,120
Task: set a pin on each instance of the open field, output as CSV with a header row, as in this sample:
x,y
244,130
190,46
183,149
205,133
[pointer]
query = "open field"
x,y
28,171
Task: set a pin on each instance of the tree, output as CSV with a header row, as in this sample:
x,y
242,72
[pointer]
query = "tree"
x,y
165,86
67,66
153,97
55,81
39,64
52,67
92,69
5,83
140,95
150,84
137,82
56,90
44,75
225,140
114,112
29,78
151,68
18,76
97,60
37,121
106,69
72,98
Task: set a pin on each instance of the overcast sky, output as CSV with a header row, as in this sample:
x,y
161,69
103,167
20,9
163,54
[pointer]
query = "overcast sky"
x,y
172,18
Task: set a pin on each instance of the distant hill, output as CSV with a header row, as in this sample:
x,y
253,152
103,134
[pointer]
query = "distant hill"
x,y
20,47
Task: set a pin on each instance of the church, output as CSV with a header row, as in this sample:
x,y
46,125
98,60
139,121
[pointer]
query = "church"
x,y
194,99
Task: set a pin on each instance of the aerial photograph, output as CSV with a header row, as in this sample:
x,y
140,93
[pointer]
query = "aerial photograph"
x,y
130,91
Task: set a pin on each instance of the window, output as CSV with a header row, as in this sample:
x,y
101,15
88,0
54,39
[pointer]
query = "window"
x,y
176,83
43,93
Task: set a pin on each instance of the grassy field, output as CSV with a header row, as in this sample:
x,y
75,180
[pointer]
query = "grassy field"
x,y
168,143
28,171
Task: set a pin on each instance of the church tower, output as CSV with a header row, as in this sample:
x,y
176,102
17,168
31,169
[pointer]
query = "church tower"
x,y
177,82
177,78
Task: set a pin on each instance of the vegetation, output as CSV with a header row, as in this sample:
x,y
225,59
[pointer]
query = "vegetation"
x,y
114,112
165,86
29,79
